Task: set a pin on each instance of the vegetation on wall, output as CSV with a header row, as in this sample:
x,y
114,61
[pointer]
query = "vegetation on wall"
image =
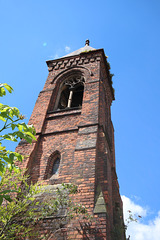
x,y
26,209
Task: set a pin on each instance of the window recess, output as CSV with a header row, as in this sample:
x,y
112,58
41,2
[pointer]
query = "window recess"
x,y
72,93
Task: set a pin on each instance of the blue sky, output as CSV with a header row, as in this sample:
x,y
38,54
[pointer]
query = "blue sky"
x,y
35,31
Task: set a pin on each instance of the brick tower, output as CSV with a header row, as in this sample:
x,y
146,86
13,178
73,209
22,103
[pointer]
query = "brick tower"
x,y
75,136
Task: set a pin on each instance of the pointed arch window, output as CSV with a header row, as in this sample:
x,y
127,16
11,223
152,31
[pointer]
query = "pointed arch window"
x,y
71,93
55,168
53,165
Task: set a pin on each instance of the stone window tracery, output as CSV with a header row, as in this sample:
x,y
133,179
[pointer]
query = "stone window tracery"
x,y
71,92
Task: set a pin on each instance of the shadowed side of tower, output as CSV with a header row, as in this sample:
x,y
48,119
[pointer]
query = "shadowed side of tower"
x,y
75,137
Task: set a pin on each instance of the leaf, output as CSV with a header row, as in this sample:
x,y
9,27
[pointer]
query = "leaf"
x,y
10,137
31,135
11,156
7,191
2,148
20,127
13,126
1,199
8,198
2,91
28,139
8,87
3,119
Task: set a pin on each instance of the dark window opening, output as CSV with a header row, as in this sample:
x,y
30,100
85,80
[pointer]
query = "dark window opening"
x,y
56,164
63,102
77,97
72,93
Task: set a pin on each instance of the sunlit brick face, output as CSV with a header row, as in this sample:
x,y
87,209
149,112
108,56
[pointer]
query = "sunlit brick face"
x,y
75,142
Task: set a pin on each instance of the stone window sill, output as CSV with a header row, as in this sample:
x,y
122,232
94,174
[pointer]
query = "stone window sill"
x,y
63,112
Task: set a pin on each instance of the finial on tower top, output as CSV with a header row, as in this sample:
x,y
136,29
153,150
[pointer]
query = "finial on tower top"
x,y
87,42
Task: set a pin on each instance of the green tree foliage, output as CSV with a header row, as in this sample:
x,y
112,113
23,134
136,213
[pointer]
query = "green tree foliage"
x,y
11,128
20,213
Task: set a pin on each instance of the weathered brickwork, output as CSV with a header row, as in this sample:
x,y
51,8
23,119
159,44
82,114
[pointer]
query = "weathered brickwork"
x,y
84,139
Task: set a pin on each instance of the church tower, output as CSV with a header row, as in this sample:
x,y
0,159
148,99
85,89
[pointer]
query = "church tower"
x,y
75,136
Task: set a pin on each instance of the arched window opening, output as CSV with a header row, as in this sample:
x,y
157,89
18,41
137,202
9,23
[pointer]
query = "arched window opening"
x,y
55,168
53,165
72,93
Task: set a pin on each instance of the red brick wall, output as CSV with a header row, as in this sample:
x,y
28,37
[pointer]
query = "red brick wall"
x,y
83,137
